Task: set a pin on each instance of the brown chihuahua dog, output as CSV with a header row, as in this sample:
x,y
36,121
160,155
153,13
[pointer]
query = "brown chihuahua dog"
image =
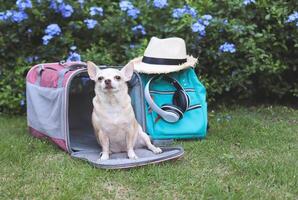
x,y
113,119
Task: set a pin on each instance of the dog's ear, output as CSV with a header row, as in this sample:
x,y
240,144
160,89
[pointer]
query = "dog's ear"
x,y
92,70
127,71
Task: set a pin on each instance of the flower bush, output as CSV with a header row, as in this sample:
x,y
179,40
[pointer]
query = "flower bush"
x,y
247,49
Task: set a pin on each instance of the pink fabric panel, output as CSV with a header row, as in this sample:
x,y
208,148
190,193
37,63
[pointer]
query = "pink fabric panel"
x,y
60,143
50,75
32,75
67,75
36,133
49,78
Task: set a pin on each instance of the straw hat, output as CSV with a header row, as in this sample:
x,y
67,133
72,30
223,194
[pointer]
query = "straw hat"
x,y
164,56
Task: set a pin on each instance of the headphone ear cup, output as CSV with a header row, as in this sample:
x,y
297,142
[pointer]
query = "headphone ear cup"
x,y
174,109
181,99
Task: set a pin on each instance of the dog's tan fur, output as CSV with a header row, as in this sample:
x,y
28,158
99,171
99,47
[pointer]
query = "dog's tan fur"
x,y
113,118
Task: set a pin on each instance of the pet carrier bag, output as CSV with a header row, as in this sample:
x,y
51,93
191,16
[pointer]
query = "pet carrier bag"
x,y
176,105
59,107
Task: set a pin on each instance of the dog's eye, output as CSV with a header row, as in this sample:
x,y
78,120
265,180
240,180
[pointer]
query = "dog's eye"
x,y
117,78
100,78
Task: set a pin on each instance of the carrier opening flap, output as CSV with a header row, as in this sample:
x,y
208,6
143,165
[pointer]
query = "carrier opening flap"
x,y
121,161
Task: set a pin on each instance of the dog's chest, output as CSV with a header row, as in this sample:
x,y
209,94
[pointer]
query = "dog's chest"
x,y
115,117
116,125
117,135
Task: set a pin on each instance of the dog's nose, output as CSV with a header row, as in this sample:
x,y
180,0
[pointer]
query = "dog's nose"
x,y
108,81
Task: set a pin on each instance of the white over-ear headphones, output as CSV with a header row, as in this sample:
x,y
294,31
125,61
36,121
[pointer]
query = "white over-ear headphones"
x,y
169,112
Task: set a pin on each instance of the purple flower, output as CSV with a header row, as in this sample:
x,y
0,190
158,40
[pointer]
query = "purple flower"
x,y
66,10
186,10
53,5
138,29
53,29
201,25
73,56
191,11
91,23
160,3
96,11
293,17
227,47
19,16
13,15
205,19
46,39
2,16
81,2
133,13
6,15
23,4
59,6
198,27
129,8
125,5
247,2
22,103
29,59
178,13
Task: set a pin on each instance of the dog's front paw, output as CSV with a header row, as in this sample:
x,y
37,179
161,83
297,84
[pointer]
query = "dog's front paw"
x,y
132,155
104,156
157,150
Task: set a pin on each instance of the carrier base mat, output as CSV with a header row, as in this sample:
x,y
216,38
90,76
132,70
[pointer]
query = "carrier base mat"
x,y
85,147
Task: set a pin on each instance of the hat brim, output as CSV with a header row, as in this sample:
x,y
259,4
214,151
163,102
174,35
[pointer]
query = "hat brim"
x,y
146,68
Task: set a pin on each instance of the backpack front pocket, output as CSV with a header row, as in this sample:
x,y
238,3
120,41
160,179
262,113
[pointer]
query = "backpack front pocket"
x,y
191,125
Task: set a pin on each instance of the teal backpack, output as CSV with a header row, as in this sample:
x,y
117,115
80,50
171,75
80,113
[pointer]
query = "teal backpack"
x,y
176,106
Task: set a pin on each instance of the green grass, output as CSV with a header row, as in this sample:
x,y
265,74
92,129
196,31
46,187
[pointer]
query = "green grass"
x,y
250,153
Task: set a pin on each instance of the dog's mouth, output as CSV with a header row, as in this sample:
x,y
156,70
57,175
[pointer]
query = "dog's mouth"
x,y
109,87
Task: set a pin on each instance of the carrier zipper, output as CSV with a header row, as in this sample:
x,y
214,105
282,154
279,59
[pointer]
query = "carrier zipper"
x,y
67,103
170,92
142,102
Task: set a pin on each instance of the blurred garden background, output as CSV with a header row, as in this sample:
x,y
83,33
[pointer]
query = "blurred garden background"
x,y
247,49
248,61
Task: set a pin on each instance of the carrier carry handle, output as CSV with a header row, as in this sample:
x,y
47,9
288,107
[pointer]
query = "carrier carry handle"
x,y
74,66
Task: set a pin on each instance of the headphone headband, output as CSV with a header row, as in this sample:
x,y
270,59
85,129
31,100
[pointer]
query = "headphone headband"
x,y
171,80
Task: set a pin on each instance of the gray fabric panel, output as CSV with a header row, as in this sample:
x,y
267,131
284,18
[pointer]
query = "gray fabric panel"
x,y
61,75
137,100
80,108
120,160
160,143
45,110
82,140
39,70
